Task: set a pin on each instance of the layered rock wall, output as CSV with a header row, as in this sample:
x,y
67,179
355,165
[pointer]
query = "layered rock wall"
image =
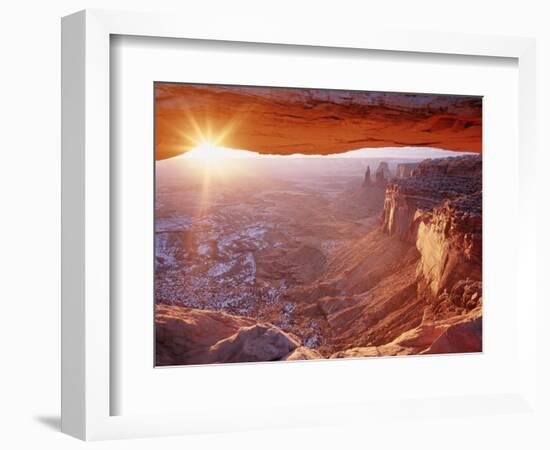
x,y
438,209
404,170
449,242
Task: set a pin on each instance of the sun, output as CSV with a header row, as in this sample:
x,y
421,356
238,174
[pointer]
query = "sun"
x,y
208,154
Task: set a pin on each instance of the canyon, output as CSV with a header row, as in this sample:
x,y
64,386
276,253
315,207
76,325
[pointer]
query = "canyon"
x,y
299,259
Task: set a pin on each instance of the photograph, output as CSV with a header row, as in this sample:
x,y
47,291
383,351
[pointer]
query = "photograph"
x,y
260,225
306,224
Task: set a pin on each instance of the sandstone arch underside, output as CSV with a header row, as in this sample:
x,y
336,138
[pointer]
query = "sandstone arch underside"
x,y
310,121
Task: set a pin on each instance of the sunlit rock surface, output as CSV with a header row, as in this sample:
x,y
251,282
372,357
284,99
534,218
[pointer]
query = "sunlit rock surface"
x,y
438,209
189,336
311,121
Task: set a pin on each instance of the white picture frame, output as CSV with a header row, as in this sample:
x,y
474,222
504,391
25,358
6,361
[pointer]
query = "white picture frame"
x,y
86,216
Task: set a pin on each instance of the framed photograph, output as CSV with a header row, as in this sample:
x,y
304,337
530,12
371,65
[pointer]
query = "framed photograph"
x,y
300,250
254,216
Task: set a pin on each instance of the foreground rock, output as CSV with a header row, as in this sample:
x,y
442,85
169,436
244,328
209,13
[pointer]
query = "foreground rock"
x,y
463,337
458,335
302,353
191,336
260,342
179,331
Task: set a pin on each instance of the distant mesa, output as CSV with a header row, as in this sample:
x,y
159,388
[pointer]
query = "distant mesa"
x,y
382,175
431,185
405,170
368,180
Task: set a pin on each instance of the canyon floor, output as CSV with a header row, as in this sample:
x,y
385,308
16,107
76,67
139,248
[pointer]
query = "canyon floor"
x,y
286,259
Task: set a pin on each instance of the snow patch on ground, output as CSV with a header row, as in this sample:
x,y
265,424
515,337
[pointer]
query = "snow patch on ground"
x,y
203,249
214,267
166,250
174,222
220,268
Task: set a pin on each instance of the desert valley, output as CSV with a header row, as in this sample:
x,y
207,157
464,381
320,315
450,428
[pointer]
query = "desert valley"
x,y
290,258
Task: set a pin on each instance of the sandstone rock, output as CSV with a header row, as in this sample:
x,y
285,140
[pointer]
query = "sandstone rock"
x,y
260,342
330,305
463,337
303,353
286,121
414,286
457,179
180,331
398,214
356,352
450,244
366,352
459,333
438,208
191,336
405,170
464,294
368,180
382,174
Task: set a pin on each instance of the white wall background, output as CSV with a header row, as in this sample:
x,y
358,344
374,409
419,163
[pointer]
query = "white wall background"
x,y
30,188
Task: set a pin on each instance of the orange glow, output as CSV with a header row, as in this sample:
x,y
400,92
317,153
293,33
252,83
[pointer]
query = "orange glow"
x,y
284,121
